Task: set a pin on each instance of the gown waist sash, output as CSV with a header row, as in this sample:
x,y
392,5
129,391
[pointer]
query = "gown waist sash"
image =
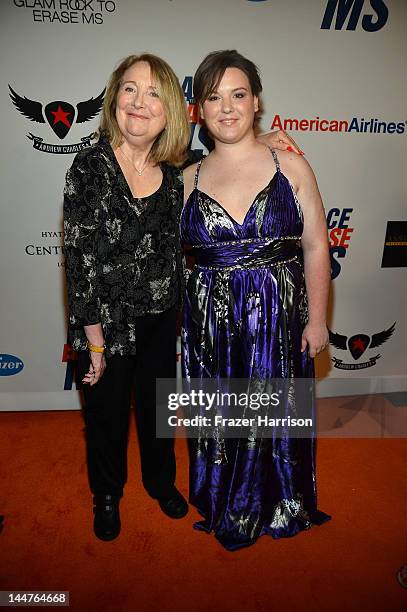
x,y
250,253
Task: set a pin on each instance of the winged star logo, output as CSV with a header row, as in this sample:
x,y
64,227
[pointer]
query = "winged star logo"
x,y
357,345
60,115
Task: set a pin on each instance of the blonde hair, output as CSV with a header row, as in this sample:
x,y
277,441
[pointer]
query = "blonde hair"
x,y
171,144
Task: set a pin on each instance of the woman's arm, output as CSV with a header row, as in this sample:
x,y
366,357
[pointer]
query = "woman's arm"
x,y
317,266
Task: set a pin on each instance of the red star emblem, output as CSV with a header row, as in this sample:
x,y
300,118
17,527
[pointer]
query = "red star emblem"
x,y
60,115
358,344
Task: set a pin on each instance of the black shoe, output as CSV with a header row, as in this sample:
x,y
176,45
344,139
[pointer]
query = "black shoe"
x,y
106,524
174,505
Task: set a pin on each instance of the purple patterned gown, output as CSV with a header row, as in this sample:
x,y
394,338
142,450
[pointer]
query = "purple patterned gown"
x,y
245,309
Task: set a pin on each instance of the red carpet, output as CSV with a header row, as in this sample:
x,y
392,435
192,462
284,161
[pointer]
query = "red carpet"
x,y
157,563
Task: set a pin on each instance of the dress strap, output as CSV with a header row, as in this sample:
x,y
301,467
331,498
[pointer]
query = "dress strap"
x,y
274,154
198,167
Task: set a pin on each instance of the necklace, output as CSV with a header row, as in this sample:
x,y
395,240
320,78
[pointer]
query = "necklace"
x,y
140,172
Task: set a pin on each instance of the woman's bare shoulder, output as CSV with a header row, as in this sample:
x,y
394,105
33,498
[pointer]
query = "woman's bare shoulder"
x,y
296,168
293,162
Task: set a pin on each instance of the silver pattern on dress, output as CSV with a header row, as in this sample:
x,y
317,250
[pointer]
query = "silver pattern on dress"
x,y
214,214
288,509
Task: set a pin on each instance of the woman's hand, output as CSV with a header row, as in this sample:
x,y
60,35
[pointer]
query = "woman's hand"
x,y
94,335
280,140
96,369
315,337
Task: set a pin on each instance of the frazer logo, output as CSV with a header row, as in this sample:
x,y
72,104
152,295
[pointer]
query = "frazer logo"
x,y
355,125
10,365
395,245
339,233
357,345
351,10
60,116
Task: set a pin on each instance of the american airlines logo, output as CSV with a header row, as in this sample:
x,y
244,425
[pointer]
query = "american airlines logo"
x,y
361,125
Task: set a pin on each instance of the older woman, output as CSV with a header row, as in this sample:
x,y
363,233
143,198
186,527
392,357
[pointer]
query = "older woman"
x,y
252,218
124,271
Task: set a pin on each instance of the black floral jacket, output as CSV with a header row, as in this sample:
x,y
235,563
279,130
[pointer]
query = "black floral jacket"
x,y
122,254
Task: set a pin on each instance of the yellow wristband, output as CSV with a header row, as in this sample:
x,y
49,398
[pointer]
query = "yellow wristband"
x,y
96,349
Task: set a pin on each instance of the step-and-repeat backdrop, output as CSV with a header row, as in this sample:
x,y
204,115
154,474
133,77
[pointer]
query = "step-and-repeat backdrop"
x,y
334,76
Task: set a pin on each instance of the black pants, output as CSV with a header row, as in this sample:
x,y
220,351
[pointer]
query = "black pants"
x,y
107,407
